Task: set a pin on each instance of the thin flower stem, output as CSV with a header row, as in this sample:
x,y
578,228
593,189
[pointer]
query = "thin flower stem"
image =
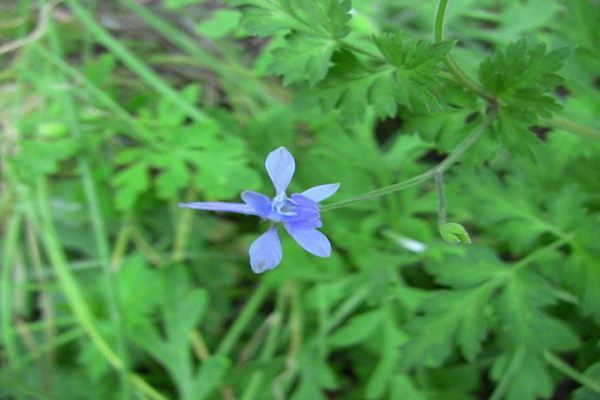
x,y
415,180
439,184
459,74
571,372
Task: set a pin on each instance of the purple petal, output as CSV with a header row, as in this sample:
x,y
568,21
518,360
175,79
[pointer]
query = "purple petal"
x,y
259,202
321,192
239,208
311,240
307,214
265,252
280,166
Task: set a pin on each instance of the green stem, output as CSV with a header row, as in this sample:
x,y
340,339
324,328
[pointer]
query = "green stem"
x,y
240,324
463,78
455,70
184,224
415,180
564,239
253,385
74,295
231,72
439,184
99,231
360,50
346,308
136,131
8,255
572,126
134,63
571,372
52,345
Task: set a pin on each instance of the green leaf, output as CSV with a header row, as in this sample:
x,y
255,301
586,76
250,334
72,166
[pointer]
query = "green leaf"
x,y
181,309
391,337
416,65
467,269
177,4
352,86
450,318
221,24
303,57
525,323
409,79
410,55
522,76
315,28
130,183
357,329
402,387
174,176
210,374
452,232
529,376
38,158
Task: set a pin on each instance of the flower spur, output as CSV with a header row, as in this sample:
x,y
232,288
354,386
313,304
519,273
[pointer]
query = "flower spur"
x,y
298,213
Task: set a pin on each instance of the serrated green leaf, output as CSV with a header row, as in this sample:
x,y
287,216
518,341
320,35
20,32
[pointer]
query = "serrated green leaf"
x,y
521,308
357,329
174,177
410,79
450,318
38,158
391,337
351,87
415,56
325,18
130,183
303,57
529,376
522,76
475,267
210,374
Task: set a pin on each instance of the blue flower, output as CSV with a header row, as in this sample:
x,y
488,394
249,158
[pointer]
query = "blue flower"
x,y
298,213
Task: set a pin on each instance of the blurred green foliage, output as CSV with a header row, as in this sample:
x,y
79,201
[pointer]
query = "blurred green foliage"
x,y
112,112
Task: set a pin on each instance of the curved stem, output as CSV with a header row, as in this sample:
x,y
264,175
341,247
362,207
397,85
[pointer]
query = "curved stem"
x,y
571,372
439,184
572,126
457,72
415,180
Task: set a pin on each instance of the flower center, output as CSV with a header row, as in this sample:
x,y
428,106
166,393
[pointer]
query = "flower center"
x,y
298,211
283,205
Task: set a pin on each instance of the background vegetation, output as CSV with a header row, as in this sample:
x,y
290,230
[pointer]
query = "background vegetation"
x,y
112,112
